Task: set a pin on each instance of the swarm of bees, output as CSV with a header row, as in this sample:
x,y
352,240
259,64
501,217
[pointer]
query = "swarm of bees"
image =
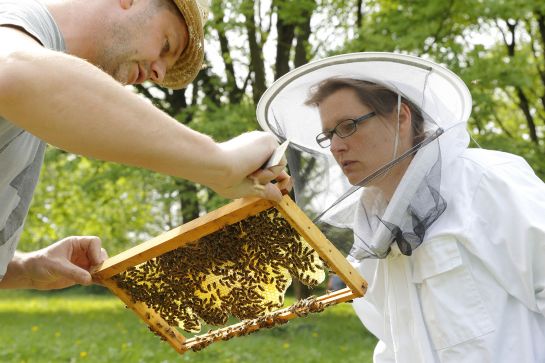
x,y
242,270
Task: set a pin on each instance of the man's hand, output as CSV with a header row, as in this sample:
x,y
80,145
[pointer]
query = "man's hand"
x,y
60,265
263,186
247,153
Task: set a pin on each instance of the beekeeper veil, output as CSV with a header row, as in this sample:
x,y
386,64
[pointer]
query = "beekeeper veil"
x,y
380,224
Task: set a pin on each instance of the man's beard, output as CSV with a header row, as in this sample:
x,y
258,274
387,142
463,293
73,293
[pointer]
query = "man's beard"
x,y
122,73
116,58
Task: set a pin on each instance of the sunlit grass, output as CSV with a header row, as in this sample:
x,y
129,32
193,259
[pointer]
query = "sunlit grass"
x,y
52,327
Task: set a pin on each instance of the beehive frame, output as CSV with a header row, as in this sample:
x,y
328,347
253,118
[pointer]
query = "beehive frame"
x,y
210,223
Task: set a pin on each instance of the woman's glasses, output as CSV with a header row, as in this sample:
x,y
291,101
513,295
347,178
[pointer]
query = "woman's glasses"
x,y
342,130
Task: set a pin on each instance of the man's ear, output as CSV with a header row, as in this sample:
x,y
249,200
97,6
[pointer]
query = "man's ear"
x,y
125,4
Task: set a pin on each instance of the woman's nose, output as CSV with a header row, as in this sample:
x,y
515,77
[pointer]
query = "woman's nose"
x,y
337,144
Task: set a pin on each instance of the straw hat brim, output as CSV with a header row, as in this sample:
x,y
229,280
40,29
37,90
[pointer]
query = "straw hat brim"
x,y
190,62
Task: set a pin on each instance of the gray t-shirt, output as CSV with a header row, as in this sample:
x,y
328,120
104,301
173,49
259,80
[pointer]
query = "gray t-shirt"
x,y
21,154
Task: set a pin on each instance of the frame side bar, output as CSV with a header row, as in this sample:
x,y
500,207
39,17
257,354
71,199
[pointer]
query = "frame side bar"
x,y
154,321
322,245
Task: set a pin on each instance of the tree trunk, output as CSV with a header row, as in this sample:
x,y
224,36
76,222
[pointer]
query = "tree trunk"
x,y
283,46
525,107
234,92
303,31
523,103
541,26
359,12
209,84
257,64
188,200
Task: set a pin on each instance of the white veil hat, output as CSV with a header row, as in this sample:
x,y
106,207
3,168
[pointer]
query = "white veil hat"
x,y
441,96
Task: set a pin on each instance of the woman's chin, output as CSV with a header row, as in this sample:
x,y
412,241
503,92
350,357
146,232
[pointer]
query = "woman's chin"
x,y
353,178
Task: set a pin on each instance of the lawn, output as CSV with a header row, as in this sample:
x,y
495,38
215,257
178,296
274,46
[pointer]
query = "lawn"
x,y
75,327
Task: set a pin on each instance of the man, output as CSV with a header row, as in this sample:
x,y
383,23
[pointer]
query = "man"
x,y
57,60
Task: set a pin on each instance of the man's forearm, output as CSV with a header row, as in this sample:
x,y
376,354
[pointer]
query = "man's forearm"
x,y
15,278
74,106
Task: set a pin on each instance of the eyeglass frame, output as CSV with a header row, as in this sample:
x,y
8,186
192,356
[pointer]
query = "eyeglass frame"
x,y
328,135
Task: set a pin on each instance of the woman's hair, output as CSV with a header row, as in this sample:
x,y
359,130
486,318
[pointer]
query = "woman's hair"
x,y
379,98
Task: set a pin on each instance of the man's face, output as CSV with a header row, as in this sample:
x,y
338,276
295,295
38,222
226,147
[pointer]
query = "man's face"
x,y
144,45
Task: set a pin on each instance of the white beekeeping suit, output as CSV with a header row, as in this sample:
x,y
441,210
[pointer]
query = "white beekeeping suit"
x,y
476,285
455,259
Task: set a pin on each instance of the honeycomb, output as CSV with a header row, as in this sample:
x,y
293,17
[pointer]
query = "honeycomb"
x,y
242,270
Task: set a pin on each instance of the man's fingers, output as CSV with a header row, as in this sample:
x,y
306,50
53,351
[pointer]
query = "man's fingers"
x,y
285,184
282,176
103,255
272,192
71,272
263,188
264,176
95,252
267,191
276,169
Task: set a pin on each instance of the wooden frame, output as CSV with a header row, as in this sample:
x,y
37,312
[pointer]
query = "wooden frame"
x,y
210,223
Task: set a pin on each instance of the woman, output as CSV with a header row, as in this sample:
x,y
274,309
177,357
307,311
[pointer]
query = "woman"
x,y
450,239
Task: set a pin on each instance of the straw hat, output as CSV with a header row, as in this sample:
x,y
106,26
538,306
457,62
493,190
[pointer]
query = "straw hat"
x,y
195,13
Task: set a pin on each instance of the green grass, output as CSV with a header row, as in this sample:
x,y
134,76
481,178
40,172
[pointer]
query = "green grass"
x,y
69,327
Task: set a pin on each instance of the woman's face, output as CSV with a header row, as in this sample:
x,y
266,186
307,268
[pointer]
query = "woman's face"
x,y
371,146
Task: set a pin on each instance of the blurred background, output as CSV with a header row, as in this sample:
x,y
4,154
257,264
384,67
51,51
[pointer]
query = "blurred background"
x,y
495,46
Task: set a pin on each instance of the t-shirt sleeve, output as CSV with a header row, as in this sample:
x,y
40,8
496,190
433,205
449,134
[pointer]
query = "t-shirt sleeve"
x,y
32,17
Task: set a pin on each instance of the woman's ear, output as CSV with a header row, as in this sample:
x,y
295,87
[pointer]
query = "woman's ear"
x,y
406,124
405,116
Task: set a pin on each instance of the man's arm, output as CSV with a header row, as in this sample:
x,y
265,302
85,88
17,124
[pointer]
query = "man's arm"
x,y
60,265
73,105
